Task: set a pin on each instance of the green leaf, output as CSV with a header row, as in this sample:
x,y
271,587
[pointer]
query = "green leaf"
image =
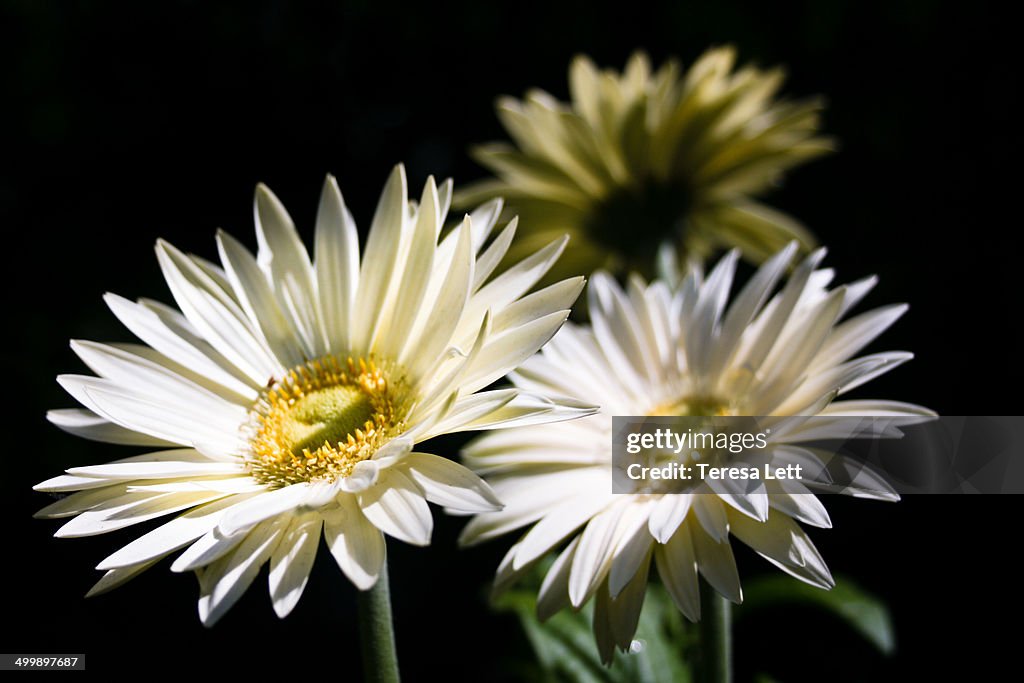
x,y
862,611
566,651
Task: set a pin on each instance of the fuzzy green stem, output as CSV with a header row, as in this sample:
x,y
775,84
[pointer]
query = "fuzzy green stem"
x,y
377,634
714,661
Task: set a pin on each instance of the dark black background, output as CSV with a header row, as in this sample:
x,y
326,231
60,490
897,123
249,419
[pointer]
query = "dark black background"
x,y
125,122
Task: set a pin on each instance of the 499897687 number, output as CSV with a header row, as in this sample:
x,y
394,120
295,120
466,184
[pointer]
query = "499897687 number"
x,y
14,662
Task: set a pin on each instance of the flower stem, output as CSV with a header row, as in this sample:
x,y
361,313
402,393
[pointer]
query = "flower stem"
x,y
714,661
376,632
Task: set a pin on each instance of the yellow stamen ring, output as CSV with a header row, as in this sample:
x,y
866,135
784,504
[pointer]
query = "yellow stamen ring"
x,y
321,419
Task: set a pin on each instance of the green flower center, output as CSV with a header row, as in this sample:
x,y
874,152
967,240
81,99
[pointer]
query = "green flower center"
x,y
321,419
326,416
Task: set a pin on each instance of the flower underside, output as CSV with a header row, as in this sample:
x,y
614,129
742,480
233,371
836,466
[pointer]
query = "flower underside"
x,y
695,406
323,418
635,220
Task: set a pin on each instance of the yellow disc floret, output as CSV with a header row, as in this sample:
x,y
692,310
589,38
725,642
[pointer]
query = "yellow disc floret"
x,y
321,419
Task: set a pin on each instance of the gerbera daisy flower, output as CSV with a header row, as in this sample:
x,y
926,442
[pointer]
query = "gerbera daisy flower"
x,y
654,351
286,397
646,157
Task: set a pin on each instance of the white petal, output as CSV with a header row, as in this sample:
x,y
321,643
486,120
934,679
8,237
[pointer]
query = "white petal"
x,y
800,504
711,515
64,482
364,475
553,298
484,217
593,555
177,423
775,316
556,524
89,425
532,501
735,493
169,537
217,316
77,386
393,451
284,260
470,408
624,609
414,274
668,514
746,305
876,408
169,333
444,197
716,563
383,244
337,264
865,482
116,577
773,538
76,503
222,583
788,362
210,547
677,567
602,625
132,508
554,591
205,383
494,253
356,544
527,409
257,298
441,312
447,384
505,576
255,510
617,328
395,505
226,485
506,351
856,291
854,373
448,483
606,332
856,333
161,469
632,551
782,542
509,286
291,561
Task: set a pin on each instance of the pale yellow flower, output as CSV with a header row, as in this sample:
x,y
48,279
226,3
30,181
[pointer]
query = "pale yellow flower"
x,y
640,158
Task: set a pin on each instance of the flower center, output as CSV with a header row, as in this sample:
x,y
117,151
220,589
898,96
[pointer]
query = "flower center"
x,y
321,419
687,406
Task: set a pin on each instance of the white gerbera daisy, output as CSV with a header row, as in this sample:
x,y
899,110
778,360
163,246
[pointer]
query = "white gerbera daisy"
x,y
652,351
288,394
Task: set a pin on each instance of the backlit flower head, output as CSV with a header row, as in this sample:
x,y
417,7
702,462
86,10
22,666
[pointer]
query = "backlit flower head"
x,y
285,399
640,158
655,351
